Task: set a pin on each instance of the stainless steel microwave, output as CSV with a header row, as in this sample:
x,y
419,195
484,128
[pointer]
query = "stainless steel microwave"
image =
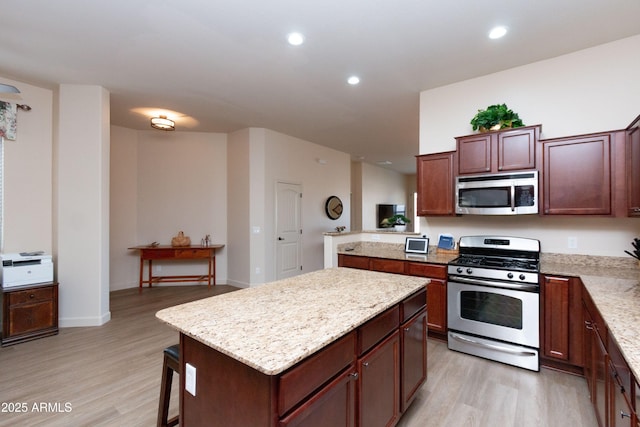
x,y
513,193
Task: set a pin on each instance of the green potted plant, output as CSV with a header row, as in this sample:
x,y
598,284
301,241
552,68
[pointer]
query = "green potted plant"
x,y
496,117
398,221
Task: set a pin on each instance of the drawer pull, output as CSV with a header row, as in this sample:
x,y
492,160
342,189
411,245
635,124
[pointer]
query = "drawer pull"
x,y
354,375
622,414
32,296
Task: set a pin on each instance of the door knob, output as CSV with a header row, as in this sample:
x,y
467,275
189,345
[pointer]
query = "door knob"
x,y
280,238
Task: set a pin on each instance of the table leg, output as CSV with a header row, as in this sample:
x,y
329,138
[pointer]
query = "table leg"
x,y
150,273
214,269
141,274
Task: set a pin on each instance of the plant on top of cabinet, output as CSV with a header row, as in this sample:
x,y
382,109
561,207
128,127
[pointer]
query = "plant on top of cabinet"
x,y
496,117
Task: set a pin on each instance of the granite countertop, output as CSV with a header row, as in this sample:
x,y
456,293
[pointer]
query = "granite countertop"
x,y
395,251
274,326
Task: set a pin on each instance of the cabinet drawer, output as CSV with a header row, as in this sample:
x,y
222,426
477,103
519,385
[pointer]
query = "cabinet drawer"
x,y
387,265
31,317
163,253
191,253
376,329
353,261
301,380
413,304
30,296
427,270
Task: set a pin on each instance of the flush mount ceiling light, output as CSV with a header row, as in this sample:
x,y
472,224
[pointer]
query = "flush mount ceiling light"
x,y
353,80
295,39
497,32
162,123
8,88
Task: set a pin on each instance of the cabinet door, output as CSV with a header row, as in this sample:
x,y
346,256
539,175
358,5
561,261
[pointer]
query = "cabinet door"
x,y
577,175
436,184
620,412
633,168
517,149
414,357
601,379
379,384
31,317
474,154
437,305
334,405
555,294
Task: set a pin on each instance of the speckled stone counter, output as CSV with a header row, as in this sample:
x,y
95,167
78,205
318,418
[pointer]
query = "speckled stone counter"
x,y
272,327
614,286
394,251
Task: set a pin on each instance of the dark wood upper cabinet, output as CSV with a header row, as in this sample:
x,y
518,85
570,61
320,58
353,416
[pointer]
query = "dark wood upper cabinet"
x,y
499,151
436,174
633,167
580,174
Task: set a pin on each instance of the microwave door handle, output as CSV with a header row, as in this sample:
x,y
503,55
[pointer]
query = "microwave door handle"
x,y
513,198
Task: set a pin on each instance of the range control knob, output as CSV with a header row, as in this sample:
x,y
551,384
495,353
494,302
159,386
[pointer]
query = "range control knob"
x,y
459,269
522,277
510,275
469,271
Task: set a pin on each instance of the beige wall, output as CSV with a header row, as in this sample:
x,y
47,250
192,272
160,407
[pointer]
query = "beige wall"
x,y
28,173
592,90
382,186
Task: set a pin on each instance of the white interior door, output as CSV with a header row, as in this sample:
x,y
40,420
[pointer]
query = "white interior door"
x,y
288,230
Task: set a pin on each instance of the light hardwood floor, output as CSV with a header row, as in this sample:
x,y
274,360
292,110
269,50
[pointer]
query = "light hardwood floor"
x,y
110,376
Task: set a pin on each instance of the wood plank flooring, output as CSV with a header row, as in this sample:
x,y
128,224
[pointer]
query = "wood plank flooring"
x,y
110,376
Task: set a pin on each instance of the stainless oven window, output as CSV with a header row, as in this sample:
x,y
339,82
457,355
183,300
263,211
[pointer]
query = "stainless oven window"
x,y
490,307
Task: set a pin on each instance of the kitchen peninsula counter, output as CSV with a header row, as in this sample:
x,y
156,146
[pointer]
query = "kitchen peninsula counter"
x,y
272,327
394,251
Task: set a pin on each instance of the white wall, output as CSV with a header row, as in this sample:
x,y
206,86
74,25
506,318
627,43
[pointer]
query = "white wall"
x,y
381,186
83,205
592,90
124,265
28,173
293,160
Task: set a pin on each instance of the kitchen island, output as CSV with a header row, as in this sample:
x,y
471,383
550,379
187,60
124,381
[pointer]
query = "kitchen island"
x,y
295,351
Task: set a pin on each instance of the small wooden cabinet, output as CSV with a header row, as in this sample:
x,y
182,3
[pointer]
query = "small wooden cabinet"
x,y
584,175
562,322
29,312
633,167
499,151
436,294
436,174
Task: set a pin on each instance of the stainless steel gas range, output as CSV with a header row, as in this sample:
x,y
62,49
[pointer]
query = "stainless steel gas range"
x,y
493,297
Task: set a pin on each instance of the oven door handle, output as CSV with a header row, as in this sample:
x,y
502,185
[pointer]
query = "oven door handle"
x,y
491,346
515,286
513,197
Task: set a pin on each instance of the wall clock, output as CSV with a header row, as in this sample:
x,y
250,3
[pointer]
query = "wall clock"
x,y
333,207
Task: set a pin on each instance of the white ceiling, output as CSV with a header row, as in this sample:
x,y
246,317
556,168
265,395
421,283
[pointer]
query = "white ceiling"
x,y
220,66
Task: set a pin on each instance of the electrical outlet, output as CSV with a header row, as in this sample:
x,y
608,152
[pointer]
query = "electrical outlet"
x,y
157,268
572,242
258,270
190,379
375,237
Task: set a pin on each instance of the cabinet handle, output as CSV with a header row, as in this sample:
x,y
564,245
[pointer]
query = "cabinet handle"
x,y
32,295
354,375
407,329
588,325
365,364
622,414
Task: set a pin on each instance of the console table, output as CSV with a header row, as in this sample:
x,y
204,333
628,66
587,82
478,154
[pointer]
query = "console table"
x,y
168,252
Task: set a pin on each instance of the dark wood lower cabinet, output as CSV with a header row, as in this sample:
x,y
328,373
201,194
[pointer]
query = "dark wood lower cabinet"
x,y
379,384
28,312
331,406
413,339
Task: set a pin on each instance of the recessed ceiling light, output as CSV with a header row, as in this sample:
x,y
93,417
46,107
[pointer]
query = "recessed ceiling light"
x,y
295,39
353,80
497,32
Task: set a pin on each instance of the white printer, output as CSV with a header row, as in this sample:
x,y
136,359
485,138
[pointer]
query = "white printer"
x,y
25,268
